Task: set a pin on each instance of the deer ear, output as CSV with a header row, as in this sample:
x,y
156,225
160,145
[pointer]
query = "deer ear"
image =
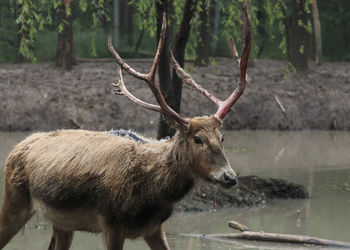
x,y
182,129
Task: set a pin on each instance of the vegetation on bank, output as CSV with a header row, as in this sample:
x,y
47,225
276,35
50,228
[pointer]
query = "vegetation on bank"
x,y
94,21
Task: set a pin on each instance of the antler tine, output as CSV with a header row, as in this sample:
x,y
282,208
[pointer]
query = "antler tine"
x,y
224,106
150,79
166,109
189,81
161,42
234,50
243,63
120,89
123,64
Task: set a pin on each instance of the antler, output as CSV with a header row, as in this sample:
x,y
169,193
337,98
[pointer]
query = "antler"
x,y
120,89
150,79
225,106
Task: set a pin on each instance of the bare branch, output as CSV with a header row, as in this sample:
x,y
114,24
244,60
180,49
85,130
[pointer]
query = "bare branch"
x,y
238,226
272,237
280,105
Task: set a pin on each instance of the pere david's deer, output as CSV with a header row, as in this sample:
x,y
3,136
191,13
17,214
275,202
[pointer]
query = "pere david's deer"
x,y
125,188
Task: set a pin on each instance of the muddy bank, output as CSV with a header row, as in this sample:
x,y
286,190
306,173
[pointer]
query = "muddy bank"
x,y
42,97
250,191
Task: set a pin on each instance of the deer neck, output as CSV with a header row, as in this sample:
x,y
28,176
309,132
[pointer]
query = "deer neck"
x,y
174,175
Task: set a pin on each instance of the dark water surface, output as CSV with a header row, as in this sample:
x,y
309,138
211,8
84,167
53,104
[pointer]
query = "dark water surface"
x,y
318,160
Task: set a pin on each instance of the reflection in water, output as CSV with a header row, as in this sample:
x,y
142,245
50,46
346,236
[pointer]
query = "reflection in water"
x,y
318,160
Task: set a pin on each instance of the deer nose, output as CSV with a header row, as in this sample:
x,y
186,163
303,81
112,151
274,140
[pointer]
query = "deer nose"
x,y
230,180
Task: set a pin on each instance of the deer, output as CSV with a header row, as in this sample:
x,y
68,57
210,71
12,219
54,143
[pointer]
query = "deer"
x,y
117,185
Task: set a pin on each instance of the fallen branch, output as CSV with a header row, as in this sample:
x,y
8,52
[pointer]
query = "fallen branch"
x,y
236,225
246,234
280,105
283,238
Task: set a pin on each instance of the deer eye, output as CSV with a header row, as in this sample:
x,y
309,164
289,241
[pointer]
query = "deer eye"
x,y
197,140
222,138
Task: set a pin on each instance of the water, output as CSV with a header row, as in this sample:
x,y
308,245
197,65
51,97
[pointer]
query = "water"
x,y
318,160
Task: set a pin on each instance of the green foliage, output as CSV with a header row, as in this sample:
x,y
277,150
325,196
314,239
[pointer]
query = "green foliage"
x,y
232,20
82,39
8,32
28,20
33,16
307,26
289,70
335,188
302,49
335,19
35,25
146,15
98,12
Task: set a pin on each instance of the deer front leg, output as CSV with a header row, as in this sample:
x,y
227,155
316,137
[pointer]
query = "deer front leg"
x,y
157,241
113,239
61,239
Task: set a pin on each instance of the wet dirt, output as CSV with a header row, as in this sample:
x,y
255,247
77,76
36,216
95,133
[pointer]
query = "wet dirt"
x,y
43,97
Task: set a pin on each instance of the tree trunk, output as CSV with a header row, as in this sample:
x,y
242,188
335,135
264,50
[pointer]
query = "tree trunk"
x,y
181,39
65,57
130,25
298,36
317,28
116,31
216,26
139,39
122,16
103,19
164,68
173,91
203,46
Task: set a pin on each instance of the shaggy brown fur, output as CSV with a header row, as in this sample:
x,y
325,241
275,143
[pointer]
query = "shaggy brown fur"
x,y
92,181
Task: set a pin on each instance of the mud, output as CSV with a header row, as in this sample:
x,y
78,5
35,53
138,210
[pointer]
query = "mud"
x,y
43,97
251,191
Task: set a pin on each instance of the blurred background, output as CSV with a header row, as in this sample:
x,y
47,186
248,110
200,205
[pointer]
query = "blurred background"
x,y
31,30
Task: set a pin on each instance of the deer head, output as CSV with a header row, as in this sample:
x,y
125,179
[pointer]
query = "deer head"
x,y
200,136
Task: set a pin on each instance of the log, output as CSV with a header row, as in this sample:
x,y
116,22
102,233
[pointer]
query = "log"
x,y
238,226
272,237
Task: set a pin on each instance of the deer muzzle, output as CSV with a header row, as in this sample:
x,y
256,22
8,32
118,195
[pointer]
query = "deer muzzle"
x,y
226,177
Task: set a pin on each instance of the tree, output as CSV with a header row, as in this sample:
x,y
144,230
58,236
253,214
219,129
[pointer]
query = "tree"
x,y
203,46
317,28
171,84
298,29
9,37
164,67
116,22
34,15
216,25
65,56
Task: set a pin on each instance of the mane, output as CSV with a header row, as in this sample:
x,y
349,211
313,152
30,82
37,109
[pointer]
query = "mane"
x,y
134,136
129,134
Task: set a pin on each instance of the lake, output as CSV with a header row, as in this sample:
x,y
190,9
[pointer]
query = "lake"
x,y
319,160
